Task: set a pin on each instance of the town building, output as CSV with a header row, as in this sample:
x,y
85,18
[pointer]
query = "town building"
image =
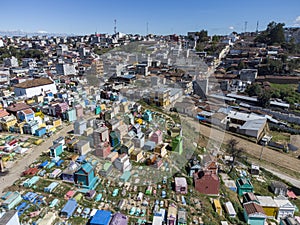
x,y
35,87
181,186
10,218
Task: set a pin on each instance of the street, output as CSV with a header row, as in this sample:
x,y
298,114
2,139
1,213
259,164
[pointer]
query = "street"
x,y
21,165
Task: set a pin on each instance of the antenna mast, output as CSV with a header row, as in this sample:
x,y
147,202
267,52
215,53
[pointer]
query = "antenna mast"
x,y
115,27
246,23
147,28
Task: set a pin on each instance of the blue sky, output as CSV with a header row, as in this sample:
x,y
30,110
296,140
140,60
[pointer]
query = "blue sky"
x,y
163,16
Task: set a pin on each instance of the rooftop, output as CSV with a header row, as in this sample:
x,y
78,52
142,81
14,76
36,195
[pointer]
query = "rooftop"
x,y
254,208
34,83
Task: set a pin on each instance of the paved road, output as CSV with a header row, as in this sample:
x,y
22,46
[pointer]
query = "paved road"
x,y
20,165
269,155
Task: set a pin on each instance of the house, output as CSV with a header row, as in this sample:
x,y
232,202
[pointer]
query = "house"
x,y
172,214
10,218
182,217
25,115
12,200
254,170
157,137
289,220
79,110
40,131
159,217
56,122
103,149
14,108
82,147
248,75
70,115
68,173
85,176
56,150
243,185
102,217
161,150
122,163
149,146
181,185
7,122
147,116
177,144
127,148
30,127
33,87
137,155
106,169
69,208
139,140
250,197
252,125
100,135
114,139
269,205
254,214
119,219
207,183
218,207
122,130
285,207
230,209
278,188
112,156
80,126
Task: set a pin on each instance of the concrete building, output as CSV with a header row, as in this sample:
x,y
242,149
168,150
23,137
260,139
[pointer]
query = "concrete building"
x,y
172,215
65,69
35,87
10,218
181,185
122,163
248,75
82,147
200,87
11,62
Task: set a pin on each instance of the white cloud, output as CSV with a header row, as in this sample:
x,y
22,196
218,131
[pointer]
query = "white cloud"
x,y
297,21
42,32
231,28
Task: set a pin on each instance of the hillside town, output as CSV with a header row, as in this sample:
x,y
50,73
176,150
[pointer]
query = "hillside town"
x,y
150,129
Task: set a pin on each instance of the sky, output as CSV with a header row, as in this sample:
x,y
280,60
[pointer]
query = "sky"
x,y
163,16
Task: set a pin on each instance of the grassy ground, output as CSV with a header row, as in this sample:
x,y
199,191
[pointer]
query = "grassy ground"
x,y
280,137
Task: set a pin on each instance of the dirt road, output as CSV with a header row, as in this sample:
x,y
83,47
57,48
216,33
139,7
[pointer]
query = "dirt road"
x,y
269,155
15,172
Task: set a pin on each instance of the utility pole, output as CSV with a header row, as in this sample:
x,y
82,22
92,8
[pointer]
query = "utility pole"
x,y
246,23
147,28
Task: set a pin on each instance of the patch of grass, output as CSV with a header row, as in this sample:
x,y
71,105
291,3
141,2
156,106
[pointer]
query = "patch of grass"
x,y
280,137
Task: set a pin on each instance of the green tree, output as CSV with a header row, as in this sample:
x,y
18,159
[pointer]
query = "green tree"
x,y
234,152
274,34
254,90
264,99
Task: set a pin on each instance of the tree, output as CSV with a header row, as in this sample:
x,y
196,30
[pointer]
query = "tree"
x,y
234,152
254,90
274,34
202,36
264,99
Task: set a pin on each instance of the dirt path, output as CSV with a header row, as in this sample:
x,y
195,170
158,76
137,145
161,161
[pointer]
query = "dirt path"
x,y
15,172
269,155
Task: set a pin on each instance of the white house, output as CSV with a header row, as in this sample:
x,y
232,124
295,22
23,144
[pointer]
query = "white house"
x,y
285,207
35,87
